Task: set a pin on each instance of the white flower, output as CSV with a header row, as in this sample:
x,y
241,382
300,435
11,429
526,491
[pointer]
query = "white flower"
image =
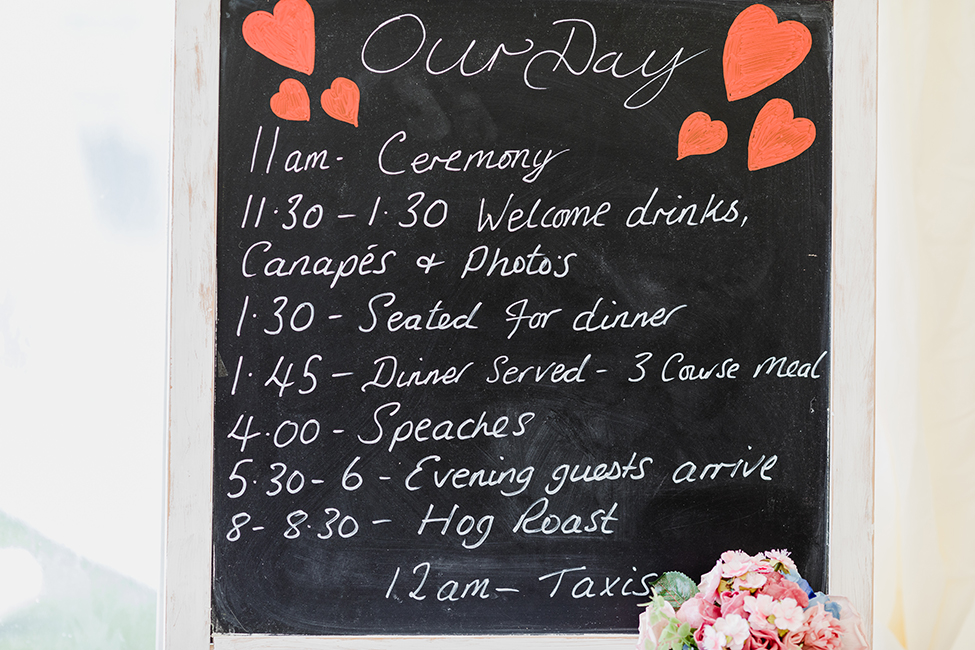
x,y
728,633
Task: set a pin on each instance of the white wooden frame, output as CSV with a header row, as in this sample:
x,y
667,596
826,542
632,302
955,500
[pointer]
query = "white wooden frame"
x,y
185,602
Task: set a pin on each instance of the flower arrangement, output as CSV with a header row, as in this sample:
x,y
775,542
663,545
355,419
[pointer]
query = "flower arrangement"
x,y
747,602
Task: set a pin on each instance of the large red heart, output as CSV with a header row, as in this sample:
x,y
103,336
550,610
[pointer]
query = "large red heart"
x,y
760,50
700,135
291,101
777,137
341,101
286,37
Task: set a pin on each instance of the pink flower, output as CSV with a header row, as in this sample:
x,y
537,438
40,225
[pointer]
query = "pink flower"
x,y
697,612
853,635
759,610
793,640
823,632
750,581
782,557
779,587
728,632
648,633
710,640
733,602
787,615
764,568
645,630
736,563
653,620
765,640
710,582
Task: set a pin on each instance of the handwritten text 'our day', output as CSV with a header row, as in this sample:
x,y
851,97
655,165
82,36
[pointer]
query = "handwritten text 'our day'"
x,y
581,46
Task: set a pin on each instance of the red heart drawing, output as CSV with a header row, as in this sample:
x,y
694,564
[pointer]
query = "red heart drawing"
x,y
777,137
700,135
760,50
287,37
291,101
341,101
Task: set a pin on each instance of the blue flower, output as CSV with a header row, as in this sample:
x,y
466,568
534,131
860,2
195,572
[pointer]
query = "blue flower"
x,y
799,580
829,605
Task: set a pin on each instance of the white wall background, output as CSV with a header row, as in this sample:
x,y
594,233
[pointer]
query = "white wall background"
x,y
83,188
926,327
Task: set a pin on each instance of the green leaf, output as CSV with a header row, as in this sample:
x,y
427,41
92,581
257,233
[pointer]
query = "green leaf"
x,y
675,587
676,636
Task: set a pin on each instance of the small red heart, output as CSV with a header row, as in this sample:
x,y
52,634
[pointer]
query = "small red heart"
x,y
777,137
760,50
700,135
291,101
341,101
286,37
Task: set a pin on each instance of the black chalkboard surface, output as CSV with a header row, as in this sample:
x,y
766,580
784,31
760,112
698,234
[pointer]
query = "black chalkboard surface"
x,y
520,304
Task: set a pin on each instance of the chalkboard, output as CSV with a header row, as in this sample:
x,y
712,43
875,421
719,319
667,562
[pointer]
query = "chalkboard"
x,y
519,304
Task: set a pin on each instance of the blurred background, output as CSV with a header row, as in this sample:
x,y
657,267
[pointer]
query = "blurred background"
x,y
84,163
86,117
